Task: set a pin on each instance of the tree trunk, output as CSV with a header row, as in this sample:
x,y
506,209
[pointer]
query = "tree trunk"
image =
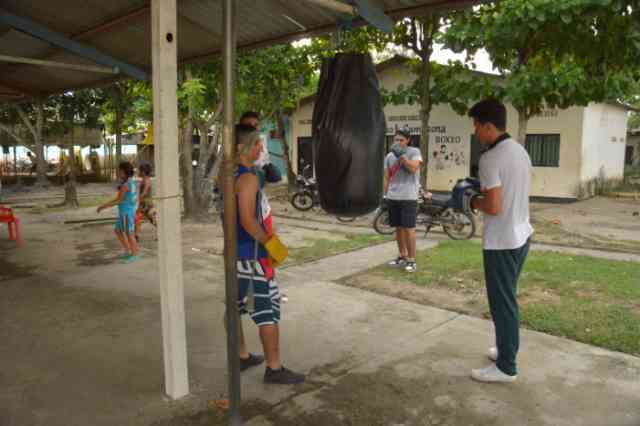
x,y
209,162
425,114
188,195
70,190
41,164
291,177
118,125
106,174
523,122
15,166
187,169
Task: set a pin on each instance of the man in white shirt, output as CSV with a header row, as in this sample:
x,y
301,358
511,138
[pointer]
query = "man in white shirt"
x,y
505,177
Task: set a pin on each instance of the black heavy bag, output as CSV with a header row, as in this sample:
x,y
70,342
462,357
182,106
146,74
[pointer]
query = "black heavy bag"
x,y
348,136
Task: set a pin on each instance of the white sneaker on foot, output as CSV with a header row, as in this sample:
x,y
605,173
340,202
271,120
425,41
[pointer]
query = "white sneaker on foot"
x,y
492,375
493,353
400,261
411,266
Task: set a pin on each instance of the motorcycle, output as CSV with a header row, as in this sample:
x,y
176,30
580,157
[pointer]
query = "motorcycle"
x,y
307,196
433,210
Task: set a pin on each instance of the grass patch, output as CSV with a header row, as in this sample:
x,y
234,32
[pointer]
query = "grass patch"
x,y
591,300
321,248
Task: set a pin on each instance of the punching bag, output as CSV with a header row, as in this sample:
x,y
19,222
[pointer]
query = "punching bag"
x,y
348,136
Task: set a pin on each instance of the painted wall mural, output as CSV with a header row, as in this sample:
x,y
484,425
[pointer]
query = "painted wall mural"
x,y
446,150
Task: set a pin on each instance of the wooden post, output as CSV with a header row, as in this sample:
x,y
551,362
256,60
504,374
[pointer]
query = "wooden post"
x,y
165,121
230,243
15,162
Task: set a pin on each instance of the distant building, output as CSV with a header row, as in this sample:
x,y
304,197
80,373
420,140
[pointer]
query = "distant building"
x,y
632,154
569,148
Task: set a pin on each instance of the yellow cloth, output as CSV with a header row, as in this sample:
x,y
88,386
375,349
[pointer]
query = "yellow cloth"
x,y
148,140
278,252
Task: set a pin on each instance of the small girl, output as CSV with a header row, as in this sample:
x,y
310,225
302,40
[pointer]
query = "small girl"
x,y
146,210
127,202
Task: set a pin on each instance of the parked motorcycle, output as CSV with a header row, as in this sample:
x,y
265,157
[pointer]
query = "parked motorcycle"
x,y
307,196
433,210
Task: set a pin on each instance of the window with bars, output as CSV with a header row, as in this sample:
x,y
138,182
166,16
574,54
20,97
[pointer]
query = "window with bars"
x,y
544,150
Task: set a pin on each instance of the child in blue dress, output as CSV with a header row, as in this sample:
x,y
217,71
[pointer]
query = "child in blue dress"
x,y
127,202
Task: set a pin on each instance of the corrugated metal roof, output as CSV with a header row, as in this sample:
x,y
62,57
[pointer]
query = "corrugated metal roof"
x,y
122,29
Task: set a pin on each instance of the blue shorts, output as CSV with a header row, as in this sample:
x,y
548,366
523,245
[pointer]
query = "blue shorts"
x,y
126,222
265,289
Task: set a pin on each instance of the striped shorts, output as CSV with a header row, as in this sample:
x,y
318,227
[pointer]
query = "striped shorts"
x,y
265,289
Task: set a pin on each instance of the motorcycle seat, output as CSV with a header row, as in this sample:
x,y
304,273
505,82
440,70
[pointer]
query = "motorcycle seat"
x,y
440,200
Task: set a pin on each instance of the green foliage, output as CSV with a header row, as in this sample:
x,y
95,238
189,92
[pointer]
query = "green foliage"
x,y
59,114
127,100
418,36
83,107
357,40
539,47
272,80
200,87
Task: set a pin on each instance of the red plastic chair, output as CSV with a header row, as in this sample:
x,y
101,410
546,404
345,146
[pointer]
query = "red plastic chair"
x,y
13,223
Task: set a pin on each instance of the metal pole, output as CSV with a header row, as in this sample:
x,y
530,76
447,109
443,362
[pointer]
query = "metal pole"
x,y
230,254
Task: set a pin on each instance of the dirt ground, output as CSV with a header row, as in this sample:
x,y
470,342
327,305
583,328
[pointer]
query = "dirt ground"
x,y
71,313
604,219
601,221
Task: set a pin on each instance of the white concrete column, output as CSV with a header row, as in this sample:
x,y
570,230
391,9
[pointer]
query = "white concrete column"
x,y
165,134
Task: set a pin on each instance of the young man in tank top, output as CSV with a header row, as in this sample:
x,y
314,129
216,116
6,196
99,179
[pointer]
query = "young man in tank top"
x,y
254,230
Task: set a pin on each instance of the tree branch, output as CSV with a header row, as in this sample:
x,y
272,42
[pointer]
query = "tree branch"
x,y
215,116
11,133
26,121
413,41
40,118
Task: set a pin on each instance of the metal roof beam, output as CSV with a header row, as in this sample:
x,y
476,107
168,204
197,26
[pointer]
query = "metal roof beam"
x,y
41,32
16,87
78,67
113,23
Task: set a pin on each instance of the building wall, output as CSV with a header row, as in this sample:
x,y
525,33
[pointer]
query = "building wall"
x,y
605,131
633,140
559,181
300,127
450,140
273,145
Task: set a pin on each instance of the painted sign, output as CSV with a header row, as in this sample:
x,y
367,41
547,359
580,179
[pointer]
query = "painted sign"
x,y
446,150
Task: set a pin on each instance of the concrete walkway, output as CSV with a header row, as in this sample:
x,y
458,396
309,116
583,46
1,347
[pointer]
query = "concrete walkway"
x,y
84,348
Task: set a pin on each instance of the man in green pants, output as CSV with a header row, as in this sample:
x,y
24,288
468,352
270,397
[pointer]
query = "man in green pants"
x,y
505,177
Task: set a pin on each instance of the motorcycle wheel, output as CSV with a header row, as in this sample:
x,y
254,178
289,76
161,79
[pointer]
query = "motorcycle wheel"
x,y
303,201
461,227
381,223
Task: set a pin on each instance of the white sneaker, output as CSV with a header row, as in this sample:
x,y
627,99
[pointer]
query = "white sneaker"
x,y
400,261
411,266
493,354
492,375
